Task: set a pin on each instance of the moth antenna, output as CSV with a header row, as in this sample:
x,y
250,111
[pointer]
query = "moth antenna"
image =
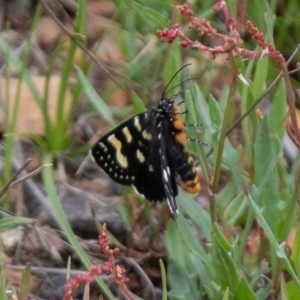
x,y
182,82
168,84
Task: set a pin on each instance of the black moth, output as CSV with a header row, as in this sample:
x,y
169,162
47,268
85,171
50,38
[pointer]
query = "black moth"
x,y
147,151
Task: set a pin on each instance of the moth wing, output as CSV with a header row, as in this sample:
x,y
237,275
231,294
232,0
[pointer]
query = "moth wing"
x,y
168,178
117,151
156,177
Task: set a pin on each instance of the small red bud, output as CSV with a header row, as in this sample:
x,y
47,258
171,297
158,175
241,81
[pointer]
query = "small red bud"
x,y
184,44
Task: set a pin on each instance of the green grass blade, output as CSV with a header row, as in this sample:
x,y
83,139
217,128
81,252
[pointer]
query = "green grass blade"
x,y
265,158
9,223
2,281
48,178
25,284
163,280
97,101
278,248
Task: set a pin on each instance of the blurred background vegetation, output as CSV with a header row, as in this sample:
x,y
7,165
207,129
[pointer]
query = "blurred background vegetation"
x,y
72,70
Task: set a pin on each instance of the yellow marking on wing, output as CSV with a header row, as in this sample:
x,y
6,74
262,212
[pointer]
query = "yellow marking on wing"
x,y
137,124
122,159
146,135
127,134
140,156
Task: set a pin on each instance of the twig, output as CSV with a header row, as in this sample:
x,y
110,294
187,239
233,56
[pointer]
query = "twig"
x,y
42,202
31,174
251,107
14,176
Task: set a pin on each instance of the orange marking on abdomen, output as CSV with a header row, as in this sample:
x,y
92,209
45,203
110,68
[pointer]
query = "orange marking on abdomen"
x,y
176,109
193,186
193,189
190,159
178,123
180,137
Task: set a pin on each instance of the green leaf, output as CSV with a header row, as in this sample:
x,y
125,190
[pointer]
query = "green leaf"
x,y
2,281
226,295
266,175
269,19
244,291
232,158
278,111
129,35
201,108
175,248
152,17
197,213
50,188
295,258
215,113
225,196
96,99
164,280
9,223
260,77
278,248
216,119
25,284
223,262
236,209
192,98
191,241
221,239
206,276
182,285
292,290
171,66
138,103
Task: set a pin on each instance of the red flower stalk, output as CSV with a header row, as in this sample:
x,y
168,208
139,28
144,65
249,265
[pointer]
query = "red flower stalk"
x,y
116,272
81,278
230,41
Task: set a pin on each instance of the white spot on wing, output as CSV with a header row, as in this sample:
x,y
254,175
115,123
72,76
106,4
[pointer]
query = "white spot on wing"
x,y
173,211
165,175
168,170
101,145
